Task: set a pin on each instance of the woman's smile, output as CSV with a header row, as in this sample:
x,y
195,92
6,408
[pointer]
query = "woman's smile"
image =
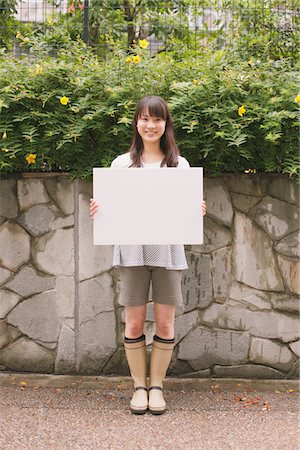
x,y
150,127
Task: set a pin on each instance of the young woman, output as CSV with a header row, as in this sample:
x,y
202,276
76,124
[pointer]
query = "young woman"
x,y
153,145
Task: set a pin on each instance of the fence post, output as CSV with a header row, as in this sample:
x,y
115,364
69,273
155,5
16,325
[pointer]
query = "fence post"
x,y
86,22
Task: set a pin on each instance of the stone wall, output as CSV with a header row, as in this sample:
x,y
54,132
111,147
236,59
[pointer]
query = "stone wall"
x,y
59,310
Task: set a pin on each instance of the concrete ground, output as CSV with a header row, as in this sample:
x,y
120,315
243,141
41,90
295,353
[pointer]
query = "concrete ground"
x,y
45,412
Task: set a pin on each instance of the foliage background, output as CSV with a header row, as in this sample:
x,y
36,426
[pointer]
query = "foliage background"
x,y
235,107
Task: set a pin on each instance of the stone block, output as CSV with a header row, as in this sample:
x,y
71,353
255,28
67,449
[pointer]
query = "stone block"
x,y
31,192
8,199
48,256
28,282
93,259
286,303
285,189
15,246
65,299
265,324
203,348
61,191
62,222
290,245
253,299
221,273
181,370
197,282
8,300
25,355
14,332
117,364
215,236
269,353
37,220
150,311
37,317
247,184
244,202
65,356
5,337
250,371
97,342
96,296
290,270
295,347
276,217
184,324
218,201
254,263
294,373
149,330
5,275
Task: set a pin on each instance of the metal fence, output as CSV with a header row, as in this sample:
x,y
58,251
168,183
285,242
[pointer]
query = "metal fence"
x,y
165,24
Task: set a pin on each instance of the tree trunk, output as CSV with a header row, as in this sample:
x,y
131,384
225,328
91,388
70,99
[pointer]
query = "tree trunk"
x,y
130,26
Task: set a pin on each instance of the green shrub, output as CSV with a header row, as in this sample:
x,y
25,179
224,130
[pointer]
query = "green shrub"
x,y
205,93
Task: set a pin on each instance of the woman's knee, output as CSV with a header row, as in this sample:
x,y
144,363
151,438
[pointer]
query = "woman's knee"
x,y
165,319
165,329
134,321
134,330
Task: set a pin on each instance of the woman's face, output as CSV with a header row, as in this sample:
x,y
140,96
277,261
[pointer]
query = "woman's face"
x,y
150,128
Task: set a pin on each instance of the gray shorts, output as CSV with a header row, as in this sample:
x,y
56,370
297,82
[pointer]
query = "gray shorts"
x,y
135,285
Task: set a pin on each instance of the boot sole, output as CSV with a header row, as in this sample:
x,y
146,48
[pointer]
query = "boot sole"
x,y
157,412
138,411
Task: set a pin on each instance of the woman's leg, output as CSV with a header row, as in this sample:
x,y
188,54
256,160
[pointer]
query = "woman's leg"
x,y
135,317
135,349
135,282
161,355
165,320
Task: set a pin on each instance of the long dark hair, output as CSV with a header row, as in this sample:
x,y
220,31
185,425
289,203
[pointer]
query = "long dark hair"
x,y
157,107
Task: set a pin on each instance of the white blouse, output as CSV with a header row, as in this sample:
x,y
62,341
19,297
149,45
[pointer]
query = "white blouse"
x,y
171,257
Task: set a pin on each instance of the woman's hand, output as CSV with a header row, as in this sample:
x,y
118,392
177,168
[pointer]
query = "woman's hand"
x,y
203,207
93,208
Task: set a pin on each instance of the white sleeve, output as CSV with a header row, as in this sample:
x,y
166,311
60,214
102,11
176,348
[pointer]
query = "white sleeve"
x,y
121,161
114,163
183,163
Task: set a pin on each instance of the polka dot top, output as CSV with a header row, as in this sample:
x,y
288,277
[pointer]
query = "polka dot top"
x,y
171,257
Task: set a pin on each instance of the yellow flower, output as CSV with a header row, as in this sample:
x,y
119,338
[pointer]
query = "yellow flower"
x,y
136,59
196,82
31,158
64,100
128,59
143,43
4,135
241,110
250,63
5,149
297,99
38,69
18,35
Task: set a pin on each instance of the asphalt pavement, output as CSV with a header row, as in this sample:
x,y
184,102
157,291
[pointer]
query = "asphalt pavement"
x,y
45,412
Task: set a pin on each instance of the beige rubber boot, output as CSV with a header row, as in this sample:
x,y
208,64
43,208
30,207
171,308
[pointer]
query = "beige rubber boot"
x,y
160,359
137,361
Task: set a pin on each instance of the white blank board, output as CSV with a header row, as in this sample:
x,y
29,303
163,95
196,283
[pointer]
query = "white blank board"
x,y
148,206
